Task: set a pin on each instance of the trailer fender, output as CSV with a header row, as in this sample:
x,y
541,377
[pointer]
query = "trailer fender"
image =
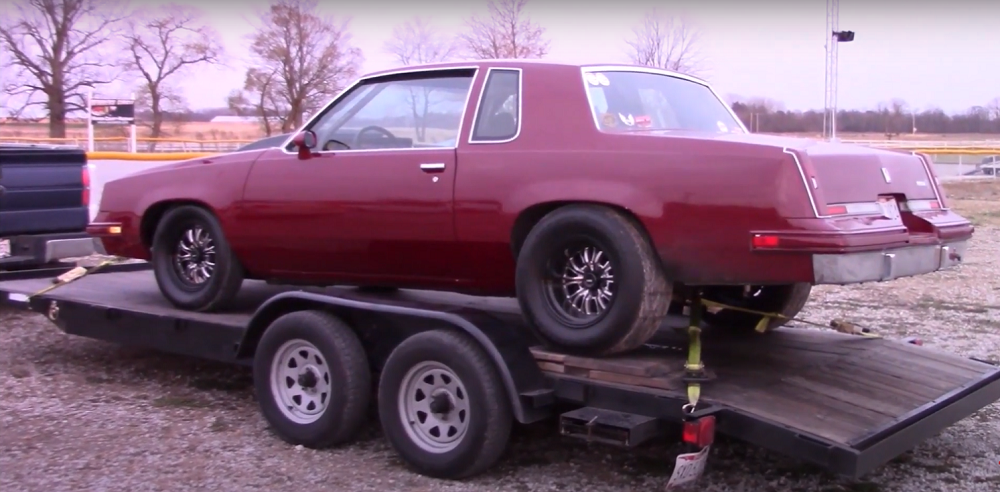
x,y
526,386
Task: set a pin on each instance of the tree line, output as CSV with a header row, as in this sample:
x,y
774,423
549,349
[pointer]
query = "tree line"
x,y
892,118
53,51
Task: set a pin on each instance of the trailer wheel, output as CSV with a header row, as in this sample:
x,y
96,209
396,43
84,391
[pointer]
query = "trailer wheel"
x,y
588,281
443,406
312,379
787,300
194,267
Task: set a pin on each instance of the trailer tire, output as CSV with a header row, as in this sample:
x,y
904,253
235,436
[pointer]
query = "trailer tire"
x,y
557,247
462,426
336,379
206,243
786,300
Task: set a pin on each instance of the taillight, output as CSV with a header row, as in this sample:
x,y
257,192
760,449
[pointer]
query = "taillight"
x,y
920,205
763,241
85,177
700,432
861,208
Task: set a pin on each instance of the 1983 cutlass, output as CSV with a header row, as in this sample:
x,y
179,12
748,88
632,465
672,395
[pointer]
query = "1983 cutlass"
x,y
590,193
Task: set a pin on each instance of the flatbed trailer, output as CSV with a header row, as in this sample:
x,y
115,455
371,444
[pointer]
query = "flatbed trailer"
x,y
845,403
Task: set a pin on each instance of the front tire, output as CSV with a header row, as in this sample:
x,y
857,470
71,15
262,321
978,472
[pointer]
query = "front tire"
x,y
588,281
786,300
194,267
312,379
443,406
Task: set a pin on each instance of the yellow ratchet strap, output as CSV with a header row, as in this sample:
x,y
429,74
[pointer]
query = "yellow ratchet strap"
x,y
839,325
71,276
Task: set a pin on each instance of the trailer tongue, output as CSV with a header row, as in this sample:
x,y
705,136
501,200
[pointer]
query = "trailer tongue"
x,y
848,404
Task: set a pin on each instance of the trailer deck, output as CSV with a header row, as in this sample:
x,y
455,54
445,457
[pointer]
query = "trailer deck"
x,y
844,402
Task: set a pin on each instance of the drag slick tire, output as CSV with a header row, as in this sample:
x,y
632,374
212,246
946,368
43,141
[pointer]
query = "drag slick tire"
x,y
588,281
443,406
194,267
786,300
312,379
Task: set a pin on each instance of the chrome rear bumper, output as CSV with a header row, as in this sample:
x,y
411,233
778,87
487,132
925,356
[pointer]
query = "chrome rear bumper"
x,y
880,266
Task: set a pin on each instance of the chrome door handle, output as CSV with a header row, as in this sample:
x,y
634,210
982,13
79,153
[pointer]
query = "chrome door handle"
x,y
432,168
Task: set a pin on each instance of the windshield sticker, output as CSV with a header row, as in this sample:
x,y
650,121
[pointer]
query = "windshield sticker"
x,y
592,78
722,127
608,120
628,120
603,79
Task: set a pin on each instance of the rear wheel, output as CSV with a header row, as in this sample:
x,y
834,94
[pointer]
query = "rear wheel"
x,y
588,281
194,267
786,300
443,406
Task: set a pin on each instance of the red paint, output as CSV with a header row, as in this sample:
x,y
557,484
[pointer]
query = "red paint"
x,y
375,217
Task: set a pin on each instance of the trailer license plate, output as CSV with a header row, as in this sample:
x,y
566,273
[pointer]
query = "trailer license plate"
x,y
4,248
688,468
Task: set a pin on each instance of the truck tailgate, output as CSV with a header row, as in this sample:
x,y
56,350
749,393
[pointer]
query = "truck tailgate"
x,y
43,190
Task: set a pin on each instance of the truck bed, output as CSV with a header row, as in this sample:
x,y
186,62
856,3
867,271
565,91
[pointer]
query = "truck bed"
x,y
834,398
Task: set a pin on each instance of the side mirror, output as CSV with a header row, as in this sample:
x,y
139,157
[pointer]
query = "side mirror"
x,y
305,141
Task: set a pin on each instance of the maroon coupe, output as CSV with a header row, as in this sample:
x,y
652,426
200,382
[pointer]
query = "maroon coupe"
x,y
590,193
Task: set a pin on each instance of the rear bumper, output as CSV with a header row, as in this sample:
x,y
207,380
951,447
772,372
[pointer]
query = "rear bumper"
x,y
889,264
41,249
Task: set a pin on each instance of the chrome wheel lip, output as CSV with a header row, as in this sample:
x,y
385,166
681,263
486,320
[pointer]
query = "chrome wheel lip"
x,y
582,286
431,431
194,256
294,365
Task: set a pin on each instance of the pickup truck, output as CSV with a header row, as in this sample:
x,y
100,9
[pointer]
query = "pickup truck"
x,y
44,205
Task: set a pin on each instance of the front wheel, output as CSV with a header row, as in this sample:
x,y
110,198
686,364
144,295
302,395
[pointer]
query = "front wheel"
x,y
443,406
588,281
786,300
194,267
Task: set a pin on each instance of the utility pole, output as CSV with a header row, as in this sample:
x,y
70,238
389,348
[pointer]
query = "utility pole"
x,y
834,36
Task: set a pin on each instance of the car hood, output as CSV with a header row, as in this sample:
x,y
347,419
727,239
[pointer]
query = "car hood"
x,y
210,159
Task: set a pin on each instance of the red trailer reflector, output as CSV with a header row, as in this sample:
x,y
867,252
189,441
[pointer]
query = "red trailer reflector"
x,y
700,432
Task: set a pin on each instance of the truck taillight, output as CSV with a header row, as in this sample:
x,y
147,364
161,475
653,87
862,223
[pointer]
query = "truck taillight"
x,y
85,177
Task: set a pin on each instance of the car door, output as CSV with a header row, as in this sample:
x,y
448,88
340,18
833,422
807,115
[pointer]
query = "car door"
x,y
374,201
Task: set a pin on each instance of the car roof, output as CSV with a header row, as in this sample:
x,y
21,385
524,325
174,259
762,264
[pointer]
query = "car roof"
x,y
525,63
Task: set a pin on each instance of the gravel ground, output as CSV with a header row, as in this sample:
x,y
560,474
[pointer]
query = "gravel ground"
x,y
78,414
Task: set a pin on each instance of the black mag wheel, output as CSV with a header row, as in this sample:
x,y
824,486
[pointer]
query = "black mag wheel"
x,y
588,281
194,267
581,287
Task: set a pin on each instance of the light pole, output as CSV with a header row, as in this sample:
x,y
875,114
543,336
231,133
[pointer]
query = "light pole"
x,y
834,36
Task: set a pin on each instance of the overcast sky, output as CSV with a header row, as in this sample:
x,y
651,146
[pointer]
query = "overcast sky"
x,y
931,53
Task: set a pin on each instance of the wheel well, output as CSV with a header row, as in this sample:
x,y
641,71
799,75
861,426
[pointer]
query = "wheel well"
x,y
530,217
151,218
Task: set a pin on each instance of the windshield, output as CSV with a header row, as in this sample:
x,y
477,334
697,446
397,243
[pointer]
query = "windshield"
x,y
641,101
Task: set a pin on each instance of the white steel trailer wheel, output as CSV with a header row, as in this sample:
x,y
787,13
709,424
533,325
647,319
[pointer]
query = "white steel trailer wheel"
x,y
443,406
312,379
434,407
300,381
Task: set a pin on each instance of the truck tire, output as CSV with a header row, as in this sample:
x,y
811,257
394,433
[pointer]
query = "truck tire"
x,y
589,282
787,300
443,406
194,267
312,379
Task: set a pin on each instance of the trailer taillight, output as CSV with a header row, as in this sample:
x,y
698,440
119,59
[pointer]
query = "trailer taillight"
x,y
700,432
85,177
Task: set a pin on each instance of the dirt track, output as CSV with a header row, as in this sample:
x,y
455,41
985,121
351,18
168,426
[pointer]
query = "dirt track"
x,y
77,414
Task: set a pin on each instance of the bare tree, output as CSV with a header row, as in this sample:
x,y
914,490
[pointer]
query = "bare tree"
x,y
300,59
165,43
666,42
507,33
58,49
417,42
994,108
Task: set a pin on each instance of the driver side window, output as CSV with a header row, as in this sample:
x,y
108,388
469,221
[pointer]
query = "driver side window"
x,y
398,112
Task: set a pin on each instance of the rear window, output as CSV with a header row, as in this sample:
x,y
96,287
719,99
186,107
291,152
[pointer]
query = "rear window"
x,y
641,101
